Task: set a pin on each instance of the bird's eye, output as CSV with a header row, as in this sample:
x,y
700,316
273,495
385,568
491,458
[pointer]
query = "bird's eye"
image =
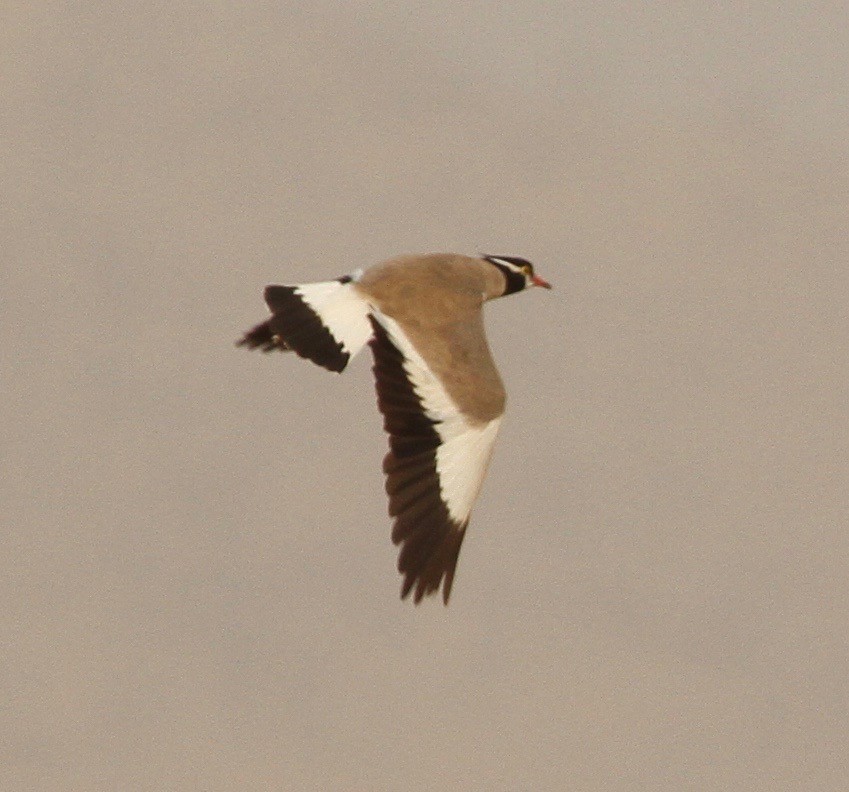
x,y
526,268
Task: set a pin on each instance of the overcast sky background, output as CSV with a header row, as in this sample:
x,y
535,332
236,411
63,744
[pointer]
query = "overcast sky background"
x,y
198,586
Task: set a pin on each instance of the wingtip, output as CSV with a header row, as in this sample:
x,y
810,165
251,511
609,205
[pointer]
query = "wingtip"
x,y
434,571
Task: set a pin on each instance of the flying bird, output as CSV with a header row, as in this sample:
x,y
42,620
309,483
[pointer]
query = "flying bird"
x,y
438,389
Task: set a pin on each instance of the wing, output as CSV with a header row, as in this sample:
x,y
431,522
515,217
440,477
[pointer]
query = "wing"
x,y
436,463
323,322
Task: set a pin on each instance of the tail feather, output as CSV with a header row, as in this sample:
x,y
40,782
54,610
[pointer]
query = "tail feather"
x,y
262,337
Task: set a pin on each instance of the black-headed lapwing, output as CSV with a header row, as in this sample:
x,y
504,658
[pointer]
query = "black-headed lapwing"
x,y
437,386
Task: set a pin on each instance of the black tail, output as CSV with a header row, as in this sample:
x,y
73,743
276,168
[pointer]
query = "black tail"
x,y
263,337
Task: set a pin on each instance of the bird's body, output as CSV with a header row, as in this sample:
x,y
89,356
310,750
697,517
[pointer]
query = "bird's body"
x,y
437,385
437,302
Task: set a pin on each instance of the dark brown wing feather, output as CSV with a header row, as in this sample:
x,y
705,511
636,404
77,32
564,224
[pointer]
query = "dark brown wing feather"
x,y
430,540
296,326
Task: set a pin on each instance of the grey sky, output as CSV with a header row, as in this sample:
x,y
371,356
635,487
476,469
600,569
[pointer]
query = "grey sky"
x,y
200,590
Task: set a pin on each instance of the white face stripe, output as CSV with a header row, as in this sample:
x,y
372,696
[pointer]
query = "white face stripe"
x,y
509,264
463,455
341,310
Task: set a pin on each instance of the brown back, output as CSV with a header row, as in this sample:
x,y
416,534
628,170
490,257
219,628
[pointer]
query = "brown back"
x,y
437,301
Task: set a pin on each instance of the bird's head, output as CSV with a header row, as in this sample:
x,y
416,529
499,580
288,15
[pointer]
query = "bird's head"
x,y
518,273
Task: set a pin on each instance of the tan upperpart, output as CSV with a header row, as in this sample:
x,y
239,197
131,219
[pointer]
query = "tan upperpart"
x,y
437,299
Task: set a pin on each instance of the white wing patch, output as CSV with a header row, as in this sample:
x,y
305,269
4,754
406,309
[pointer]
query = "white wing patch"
x,y
461,463
464,453
342,311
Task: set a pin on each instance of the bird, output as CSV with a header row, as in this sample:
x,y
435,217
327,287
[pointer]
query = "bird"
x,y
438,389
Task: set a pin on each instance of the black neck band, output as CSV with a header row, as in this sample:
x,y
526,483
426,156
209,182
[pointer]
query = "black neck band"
x,y
513,281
